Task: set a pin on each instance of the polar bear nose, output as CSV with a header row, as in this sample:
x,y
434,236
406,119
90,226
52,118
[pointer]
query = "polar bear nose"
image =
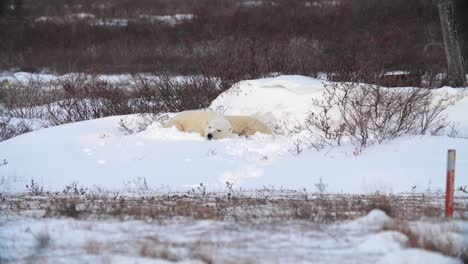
x,y
209,136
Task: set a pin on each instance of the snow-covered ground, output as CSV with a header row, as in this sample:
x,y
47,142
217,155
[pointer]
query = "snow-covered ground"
x,y
99,155
97,152
367,239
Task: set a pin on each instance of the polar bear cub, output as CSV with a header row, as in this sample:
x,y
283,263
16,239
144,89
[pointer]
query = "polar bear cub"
x,y
208,124
247,125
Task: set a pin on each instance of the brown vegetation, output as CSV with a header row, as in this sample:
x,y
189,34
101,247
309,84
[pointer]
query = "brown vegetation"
x,y
227,39
258,205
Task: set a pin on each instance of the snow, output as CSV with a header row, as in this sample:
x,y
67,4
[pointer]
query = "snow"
x,y
289,98
417,256
252,3
77,16
91,19
171,20
76,241
110,22
396,73
97,153
25,77
384,242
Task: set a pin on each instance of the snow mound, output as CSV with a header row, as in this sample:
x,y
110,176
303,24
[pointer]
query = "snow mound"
x,y
415,256
384,242
374,220
97,152
273,100
288,99
294,83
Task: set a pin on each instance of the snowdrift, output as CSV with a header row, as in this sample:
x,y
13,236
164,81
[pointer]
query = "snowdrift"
x,y
97,153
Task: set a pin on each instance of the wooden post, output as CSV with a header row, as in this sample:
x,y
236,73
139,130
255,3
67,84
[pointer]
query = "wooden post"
x,y
450,183
455,70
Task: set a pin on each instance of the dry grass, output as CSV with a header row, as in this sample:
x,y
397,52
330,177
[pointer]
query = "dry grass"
x,y
261,205
93,247
229,39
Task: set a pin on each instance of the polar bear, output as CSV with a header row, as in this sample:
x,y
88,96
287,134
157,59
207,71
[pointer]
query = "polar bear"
x,y
209,124
247,125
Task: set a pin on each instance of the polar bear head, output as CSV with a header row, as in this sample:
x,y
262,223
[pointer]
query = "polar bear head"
x,y
218,128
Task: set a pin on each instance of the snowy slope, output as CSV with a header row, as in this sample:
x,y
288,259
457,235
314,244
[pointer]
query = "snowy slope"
x,y
283,98
288,99
96,152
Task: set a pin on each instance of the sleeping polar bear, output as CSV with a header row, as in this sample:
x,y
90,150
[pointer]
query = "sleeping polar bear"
x,y
208,124
247,125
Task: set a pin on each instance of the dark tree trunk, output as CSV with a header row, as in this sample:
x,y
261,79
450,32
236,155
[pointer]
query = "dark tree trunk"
x,y
461,18
3,8
455,71
19,9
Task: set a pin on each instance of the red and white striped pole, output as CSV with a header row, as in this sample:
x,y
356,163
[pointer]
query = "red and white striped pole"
x,y
450,183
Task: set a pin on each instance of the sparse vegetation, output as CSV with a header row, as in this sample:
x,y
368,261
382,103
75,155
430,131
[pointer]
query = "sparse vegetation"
x,y
232,40
73,189
366,114
462,189
36,104
35,189
246,211
238,205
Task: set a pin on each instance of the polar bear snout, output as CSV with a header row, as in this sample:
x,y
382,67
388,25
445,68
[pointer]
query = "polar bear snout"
x,y
209,136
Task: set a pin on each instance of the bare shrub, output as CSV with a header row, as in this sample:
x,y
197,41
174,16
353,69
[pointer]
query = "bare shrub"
x,y
26,106
33,104
23,100
34,188
73,189
368,114
169,94
20,107
462,189
85,98
9,128
129,125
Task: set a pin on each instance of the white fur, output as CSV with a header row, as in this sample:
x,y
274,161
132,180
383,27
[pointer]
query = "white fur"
x,y
208,124
247,125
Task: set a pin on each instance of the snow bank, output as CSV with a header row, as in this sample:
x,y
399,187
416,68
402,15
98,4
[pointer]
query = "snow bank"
x,y
274,100
96,152
415,256
288,99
